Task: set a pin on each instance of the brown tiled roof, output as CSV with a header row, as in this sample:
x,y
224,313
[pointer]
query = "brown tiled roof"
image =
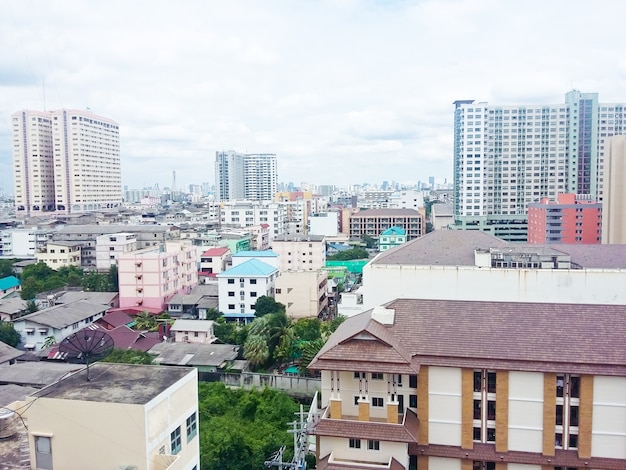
x,y
504,335
367,430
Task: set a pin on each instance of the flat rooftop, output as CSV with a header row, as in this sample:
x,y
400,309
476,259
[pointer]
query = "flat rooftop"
x,y
116,383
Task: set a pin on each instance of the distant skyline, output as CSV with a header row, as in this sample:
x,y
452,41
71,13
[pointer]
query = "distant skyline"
x,y
342,91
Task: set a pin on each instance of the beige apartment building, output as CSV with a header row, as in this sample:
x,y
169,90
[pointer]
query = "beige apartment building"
x,y
300,253
65,160
116,416
461,385
59,254
303,293
373,222
614,204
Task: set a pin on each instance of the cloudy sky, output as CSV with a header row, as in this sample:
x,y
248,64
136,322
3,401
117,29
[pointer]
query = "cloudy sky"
x,y
343,91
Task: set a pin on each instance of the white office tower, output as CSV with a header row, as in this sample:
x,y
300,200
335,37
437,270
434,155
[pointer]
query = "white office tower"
x,y
506,157
65,160
252,177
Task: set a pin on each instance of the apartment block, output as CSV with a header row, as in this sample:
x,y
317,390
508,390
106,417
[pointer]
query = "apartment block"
x,y
572,218
506,157
65,160
60,254
303,293
245,176
123,416
373,222
213,261
300,253
152,276
460,385
614,205
246,214
110,247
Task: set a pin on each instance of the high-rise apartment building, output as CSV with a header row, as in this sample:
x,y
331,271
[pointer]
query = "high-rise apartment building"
x,y
245,176
506,157
614,210
65,160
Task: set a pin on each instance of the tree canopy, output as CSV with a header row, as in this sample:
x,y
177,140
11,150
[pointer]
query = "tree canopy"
x,y
266,304
8,335
240,429
350,254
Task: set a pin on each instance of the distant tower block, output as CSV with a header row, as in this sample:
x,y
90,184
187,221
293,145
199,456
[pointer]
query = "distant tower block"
x,y
173,181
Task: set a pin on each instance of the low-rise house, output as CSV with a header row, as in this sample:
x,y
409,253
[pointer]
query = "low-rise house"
x,y
392,237
8,354
196,304
193,331
56,322
213,261
12,308
36,374
146,415
8,285
206,357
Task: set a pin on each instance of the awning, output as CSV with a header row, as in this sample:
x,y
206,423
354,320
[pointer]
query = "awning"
x,y
29,346
29,330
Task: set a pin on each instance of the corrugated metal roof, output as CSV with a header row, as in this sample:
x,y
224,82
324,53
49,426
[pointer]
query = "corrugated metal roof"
x,y
252,267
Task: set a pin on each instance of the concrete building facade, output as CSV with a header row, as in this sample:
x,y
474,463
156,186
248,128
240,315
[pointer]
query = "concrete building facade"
x,y
458,385
300,253
303,293
110,247
245,176
373,222
152,276
614,205
572,218
65,160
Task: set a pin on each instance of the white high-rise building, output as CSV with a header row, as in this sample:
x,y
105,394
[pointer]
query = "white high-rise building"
x,y
506,157
245,176
65,160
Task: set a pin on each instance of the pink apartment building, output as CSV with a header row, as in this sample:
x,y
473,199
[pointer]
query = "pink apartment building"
x,y
152,276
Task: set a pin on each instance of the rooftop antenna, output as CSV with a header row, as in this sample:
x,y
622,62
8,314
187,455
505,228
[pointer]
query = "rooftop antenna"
x,y
89,345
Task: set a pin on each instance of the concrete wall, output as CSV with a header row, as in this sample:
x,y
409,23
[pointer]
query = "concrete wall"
x,y
444,405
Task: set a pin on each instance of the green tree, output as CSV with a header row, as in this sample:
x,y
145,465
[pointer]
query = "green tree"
x,y
32,306
230,332
256,349
113,279
49,341
352,253
8,335
308,329
369,241
129,356
145,321
266,304
6,268
31,287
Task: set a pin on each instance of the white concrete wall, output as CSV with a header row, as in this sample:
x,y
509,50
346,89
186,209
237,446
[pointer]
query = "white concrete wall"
x,y
440,463
339,447
609,417
444,406
521,466
526,411
383,283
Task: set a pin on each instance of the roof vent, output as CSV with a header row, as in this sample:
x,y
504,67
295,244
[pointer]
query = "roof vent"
x,y
384,316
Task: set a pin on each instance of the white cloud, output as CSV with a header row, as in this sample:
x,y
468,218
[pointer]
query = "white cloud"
x,y
341,90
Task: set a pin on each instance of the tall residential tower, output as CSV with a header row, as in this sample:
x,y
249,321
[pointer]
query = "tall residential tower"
x,y
65,160
506,157
245,176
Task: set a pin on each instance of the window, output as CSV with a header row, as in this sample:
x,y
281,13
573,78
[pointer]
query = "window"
x,y
377,376
175,441
354,443
231,281
252,294
231,294
484,406
377,402
192,427
413,381
43,452
373,445
231,306
567,411
412,401
359,375
478,465
252,281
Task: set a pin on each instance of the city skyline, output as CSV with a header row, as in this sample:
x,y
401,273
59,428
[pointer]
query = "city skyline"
x,y
337,90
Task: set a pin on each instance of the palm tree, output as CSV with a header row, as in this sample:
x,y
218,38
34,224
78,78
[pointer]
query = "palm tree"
x,y
49,341
145,321
256,350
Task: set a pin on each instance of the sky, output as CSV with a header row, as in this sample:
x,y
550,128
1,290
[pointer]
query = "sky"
x,y
343,91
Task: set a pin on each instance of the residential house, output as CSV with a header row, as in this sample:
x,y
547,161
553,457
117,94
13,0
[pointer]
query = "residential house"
x,y
196,304
390,238
213,261
12,308
57,322
206,357
193,331
8,285
447,384
60,254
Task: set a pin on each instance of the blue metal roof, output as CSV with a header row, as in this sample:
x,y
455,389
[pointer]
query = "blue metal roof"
x,y
252,267
9,282
394,231
256,254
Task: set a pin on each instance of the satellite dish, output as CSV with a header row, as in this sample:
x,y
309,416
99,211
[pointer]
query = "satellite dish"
x,y
87,344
